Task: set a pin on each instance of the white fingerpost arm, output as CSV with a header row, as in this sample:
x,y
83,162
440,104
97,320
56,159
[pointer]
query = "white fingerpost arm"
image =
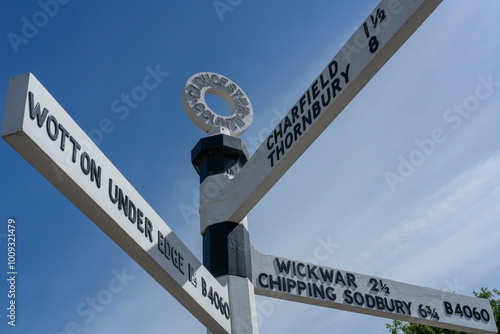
x,y
384,31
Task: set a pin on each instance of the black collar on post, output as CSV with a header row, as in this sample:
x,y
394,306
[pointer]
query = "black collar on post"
x,y
226,245
218,154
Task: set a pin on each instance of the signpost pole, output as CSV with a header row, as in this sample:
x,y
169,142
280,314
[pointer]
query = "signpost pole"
x,y
226,245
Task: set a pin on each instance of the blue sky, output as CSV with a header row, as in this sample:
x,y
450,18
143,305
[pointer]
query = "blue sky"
x,y
437,226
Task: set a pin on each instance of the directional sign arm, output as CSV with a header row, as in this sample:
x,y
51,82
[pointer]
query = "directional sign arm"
x,y
41,131
309,283
384,31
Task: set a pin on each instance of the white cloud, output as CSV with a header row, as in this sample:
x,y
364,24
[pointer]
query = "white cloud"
x,y
455,226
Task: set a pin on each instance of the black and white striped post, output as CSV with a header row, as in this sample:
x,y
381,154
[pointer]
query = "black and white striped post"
x,y
217,159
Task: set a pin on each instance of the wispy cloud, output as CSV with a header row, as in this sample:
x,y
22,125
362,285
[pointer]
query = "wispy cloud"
x,y
445,227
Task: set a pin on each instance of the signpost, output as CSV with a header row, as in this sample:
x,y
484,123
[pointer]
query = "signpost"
x,y
45,135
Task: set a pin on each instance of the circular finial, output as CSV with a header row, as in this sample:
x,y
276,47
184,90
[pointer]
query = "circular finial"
x,y
193,101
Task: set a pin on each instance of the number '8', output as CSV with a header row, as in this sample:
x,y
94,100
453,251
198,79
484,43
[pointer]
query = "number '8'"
x,y
373,44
